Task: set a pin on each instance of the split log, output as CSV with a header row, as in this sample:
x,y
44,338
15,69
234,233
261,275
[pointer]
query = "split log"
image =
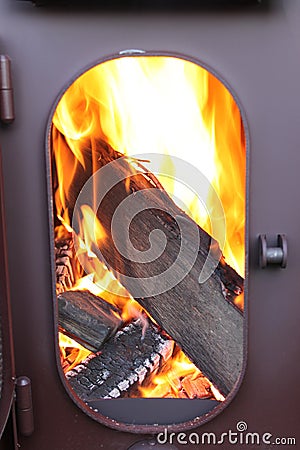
x,y
208,328
88,319
201,318
124,363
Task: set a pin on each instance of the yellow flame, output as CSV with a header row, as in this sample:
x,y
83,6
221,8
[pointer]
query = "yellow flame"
x,y
168,106
72,353
91,230
162,105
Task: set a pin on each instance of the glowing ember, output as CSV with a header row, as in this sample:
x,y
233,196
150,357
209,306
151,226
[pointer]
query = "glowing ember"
x,y
180,378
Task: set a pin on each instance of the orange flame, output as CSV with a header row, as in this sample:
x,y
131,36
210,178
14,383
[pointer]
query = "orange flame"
x,y
180,378
168,106
71,352
171,107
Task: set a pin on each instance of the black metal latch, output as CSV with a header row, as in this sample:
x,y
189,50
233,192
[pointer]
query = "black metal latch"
x,y
271,255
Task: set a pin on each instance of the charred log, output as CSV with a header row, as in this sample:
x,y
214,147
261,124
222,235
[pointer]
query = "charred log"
x,y
86,318
124,362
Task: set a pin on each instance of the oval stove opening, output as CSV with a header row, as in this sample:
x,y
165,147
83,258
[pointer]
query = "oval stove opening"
x,y
147,158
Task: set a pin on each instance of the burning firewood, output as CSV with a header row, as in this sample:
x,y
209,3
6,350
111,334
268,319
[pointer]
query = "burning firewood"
x,y
88,319
200,317
123,363
196,387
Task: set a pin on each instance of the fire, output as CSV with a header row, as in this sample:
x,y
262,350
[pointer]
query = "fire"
x,y
152,104
71,352
130,309
162,105
180,378
101,281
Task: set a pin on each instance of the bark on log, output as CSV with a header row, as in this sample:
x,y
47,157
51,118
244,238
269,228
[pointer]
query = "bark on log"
x,y
199,317
64,262
88,319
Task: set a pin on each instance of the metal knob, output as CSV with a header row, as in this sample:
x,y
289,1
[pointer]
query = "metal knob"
x,y
273,255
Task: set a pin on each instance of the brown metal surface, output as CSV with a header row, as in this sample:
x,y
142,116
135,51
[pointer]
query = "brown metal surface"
x,y
7,362
258,54
151,4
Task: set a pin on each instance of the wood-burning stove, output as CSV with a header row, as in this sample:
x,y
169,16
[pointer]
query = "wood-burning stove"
x,y
255,50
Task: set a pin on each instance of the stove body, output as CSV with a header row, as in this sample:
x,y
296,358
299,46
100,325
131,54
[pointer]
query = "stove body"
x,y
257,51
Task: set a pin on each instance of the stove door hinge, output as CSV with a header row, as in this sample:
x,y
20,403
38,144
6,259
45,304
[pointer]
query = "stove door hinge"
x,y
24,409
7,113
